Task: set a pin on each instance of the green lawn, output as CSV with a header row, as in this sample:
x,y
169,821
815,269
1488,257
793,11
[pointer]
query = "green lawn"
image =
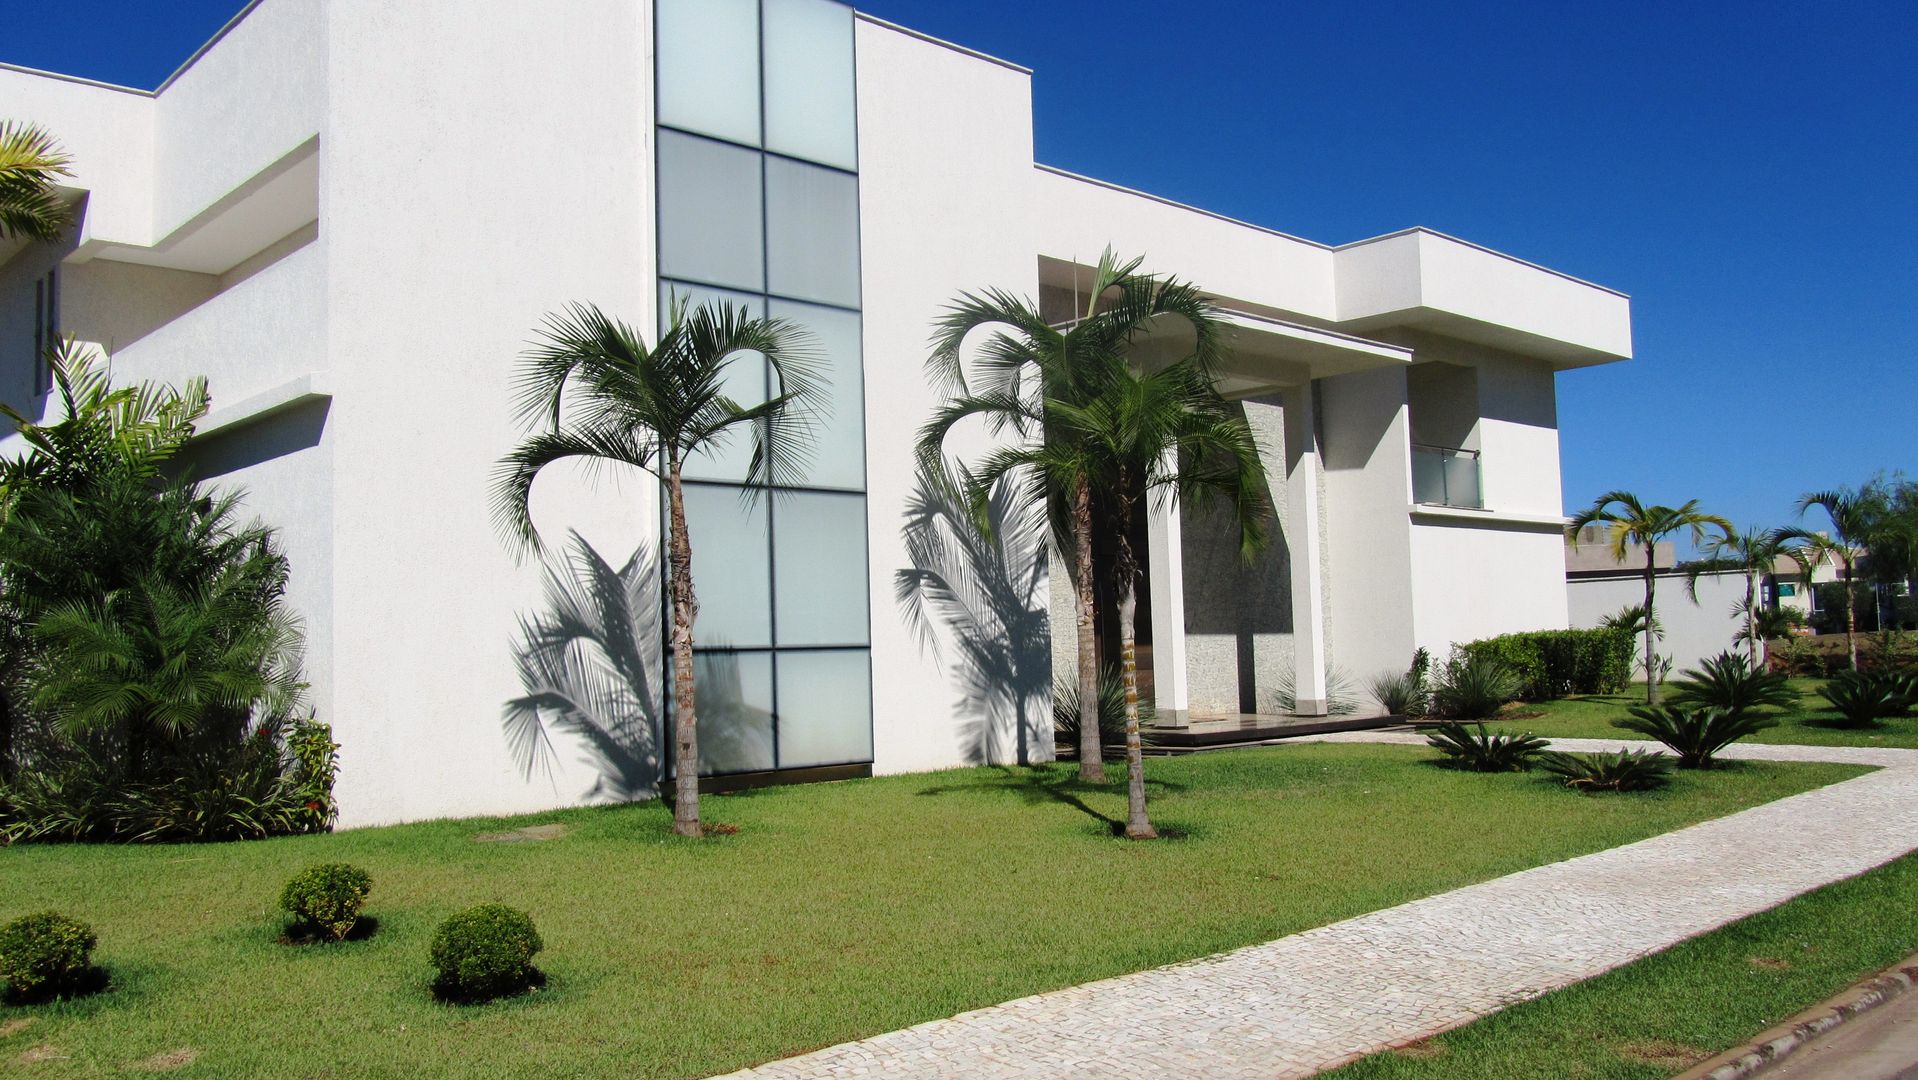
x,y
1591,718
837,911
1667,1012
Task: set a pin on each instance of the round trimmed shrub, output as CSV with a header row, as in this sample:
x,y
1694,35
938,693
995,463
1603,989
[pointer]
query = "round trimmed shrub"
x,y
485,952
327,898
45,954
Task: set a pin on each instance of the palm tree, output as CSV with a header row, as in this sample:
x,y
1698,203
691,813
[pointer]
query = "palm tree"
x,y
1138,436
31,165
1028,363
1754,554
592,389
1854,518
1632,522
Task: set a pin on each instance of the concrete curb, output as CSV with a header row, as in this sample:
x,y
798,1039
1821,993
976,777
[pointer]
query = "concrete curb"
x,y
1780,1042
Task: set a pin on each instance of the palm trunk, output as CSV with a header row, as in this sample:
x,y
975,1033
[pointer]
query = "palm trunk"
x,y
685,609
1092,766
1137,825
1651,658
1851,619
6,737
1751,618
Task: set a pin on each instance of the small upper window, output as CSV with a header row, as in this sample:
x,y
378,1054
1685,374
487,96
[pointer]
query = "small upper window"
x,y
46,328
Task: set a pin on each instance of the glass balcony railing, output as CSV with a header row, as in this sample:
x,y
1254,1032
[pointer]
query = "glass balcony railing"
x,y
1446,476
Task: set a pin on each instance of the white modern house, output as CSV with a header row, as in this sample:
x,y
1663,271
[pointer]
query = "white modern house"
x,y
352,215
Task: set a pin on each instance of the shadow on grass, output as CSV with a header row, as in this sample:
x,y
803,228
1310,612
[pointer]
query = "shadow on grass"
x,y
1042,786
89,983
300,933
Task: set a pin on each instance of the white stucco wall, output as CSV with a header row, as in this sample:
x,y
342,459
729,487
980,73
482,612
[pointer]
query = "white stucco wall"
x,y
440,269
1473,581
108,132
246,340
1518,436
1365,435
243,105
1693,630
1076,218
945,168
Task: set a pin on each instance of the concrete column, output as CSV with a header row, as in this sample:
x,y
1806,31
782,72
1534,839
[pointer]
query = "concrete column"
x,y
1165,577
1300,522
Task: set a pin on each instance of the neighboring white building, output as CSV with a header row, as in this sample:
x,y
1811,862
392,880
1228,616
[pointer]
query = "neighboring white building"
x,y
351,216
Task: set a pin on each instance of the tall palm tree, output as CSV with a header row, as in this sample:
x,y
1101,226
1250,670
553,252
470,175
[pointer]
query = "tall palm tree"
x,y
1027,362
1141,435
1854,518
1630,522
1753,553
31,166
592,389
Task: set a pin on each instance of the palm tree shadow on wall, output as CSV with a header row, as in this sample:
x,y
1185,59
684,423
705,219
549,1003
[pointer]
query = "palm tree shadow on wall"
x,y
584,663
983,601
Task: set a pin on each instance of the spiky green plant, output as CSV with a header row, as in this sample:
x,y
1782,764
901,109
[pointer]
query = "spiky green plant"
x,y
1477,750
1627,770
1696,733
1399,693
1473,687
1860,700
1730,683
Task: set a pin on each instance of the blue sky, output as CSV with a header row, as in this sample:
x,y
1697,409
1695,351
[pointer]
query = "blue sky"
x,y
1747,171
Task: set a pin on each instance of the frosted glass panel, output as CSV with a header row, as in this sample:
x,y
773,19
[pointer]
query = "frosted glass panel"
x,y
709,67
729,567
744,381
733,696
709,220
812,233
839,437
825,708
809,81
819,557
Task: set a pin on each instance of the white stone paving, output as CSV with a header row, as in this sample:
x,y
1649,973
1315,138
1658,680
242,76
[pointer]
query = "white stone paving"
x,y
1308,1002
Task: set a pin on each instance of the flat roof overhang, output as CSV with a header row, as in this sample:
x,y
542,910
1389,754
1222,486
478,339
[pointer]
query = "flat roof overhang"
x,y
1264,354
1422,280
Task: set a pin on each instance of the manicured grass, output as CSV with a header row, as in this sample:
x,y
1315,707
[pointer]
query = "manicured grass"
x,y
837,911
1591,718
1667,1012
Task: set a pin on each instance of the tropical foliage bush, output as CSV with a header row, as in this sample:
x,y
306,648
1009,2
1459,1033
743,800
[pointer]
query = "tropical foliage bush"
x,y
1627,770
149,669
1728,682
1473,686
1694,733
44,955
1554,663
327,898
485,952
1478,750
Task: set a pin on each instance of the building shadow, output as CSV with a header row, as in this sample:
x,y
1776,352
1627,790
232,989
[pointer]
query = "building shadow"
x,y
586,663
977,600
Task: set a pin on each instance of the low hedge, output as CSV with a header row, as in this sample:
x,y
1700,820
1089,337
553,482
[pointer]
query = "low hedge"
x,y
1554,663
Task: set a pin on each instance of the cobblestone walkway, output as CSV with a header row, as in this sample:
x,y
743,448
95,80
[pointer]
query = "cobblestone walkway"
x,y
1304,1003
